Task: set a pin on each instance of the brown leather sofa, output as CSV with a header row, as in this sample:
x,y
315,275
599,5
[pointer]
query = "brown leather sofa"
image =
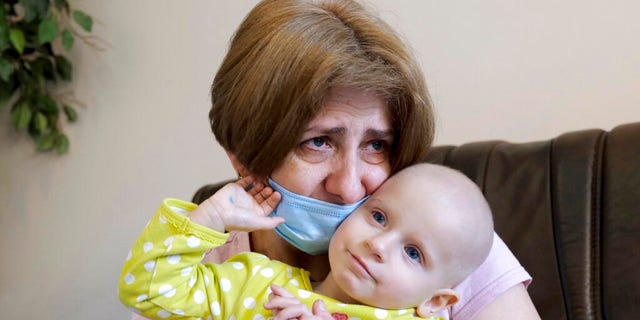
x,y
569,209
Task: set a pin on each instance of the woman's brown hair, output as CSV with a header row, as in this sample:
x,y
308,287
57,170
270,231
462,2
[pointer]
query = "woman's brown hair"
x,y
284,59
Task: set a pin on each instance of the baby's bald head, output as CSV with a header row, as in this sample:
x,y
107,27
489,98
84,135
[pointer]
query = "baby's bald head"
x,y
458,208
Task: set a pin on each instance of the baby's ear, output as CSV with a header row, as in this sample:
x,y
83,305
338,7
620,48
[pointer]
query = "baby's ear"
x,y
443,298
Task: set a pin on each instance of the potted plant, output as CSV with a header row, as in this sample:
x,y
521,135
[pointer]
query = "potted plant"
x,y
35,35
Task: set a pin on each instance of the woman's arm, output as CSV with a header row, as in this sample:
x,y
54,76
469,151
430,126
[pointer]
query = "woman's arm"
x,y
513,304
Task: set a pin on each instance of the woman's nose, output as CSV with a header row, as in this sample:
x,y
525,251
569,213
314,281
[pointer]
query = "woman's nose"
x,y
346,180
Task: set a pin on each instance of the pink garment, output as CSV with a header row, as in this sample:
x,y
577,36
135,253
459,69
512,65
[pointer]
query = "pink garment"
x,y
498,273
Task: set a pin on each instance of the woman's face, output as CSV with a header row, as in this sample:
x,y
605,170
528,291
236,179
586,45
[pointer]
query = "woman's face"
x,y
343,154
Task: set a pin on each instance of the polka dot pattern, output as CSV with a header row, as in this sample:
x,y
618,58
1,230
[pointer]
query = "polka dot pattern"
x,y
193,242
380,313
267,272
215,308
150,265
225,284
129,278
304,294
173,259
198,297
163,314
167,290
186,271
249,303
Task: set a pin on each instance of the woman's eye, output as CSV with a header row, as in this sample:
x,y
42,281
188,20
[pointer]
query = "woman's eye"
x,y
315,149
376,151
379,217
377,145
412,252
317,143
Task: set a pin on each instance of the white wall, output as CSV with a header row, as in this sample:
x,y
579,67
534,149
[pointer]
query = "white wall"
x,y
515,70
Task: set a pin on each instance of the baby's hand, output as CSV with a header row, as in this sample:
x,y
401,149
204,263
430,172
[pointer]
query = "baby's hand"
x,y
243,205
284,306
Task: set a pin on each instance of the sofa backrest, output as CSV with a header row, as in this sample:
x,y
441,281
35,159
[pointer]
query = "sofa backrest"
x,y
568,208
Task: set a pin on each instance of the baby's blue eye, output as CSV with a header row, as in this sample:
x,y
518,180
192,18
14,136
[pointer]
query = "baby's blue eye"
x,y
379,217
412,252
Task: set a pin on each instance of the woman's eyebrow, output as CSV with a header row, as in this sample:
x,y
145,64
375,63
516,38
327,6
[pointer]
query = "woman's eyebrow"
x,y
331,131
369,133
379,134
335,131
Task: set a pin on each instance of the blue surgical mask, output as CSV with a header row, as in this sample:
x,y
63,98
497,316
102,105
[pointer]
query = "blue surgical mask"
x,y
309,223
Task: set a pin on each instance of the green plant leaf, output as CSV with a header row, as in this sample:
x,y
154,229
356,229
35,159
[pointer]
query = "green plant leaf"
x,y
17,39
63,66
70,112
62,143
40,122
47,104
4,28
46,142
47,30
83,20
6,91
21,115
44,67
6,69
3,16
34,8
4,38
67,39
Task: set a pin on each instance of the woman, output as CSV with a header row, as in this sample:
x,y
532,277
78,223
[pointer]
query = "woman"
x,y
325,100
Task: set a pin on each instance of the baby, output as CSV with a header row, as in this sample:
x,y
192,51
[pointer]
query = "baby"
x,y
397,256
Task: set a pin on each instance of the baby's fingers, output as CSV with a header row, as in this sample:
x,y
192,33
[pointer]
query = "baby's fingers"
x,y
252,222
320,310
247,183
270,201
299,311
280,291
266,223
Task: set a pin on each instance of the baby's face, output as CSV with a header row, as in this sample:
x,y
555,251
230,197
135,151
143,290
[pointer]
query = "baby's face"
x,y
395,251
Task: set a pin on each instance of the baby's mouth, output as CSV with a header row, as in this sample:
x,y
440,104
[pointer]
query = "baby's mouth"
x,y
361,265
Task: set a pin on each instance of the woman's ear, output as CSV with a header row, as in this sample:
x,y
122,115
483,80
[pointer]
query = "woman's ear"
x,y
239,167
443,298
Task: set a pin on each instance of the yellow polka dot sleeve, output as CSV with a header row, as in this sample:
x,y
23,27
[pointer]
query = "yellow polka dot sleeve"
x,y
163,276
